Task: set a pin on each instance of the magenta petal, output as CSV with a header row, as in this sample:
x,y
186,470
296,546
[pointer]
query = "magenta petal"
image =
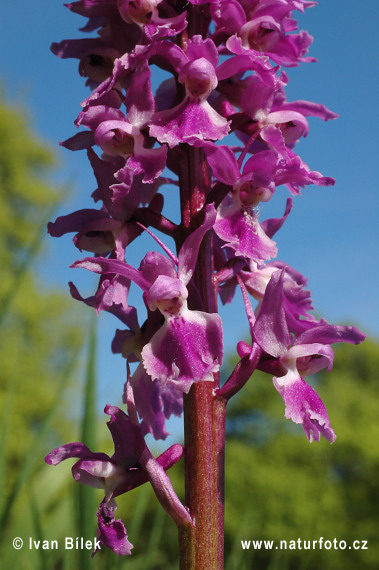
x,y
165,288
298,124
112,533
140,108
246,60
110,292
304,406
191,119
129,443
329,334
94,472
165,27
103,265
308,108
238,226
154,264
271,330
263,163
189,251
70,450
199,48
149,161
186,349
309,358
223,162
95,115
228,15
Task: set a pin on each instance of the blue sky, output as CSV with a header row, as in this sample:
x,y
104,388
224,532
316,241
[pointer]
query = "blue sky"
x,y
331,235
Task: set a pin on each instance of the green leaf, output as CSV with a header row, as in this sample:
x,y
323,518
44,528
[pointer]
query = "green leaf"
x,y
33,454
86,506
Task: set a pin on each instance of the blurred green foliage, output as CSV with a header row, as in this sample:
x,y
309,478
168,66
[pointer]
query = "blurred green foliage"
x,y
39,329
281,487
24,191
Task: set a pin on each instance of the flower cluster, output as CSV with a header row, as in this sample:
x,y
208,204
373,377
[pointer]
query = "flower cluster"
x,y
220,131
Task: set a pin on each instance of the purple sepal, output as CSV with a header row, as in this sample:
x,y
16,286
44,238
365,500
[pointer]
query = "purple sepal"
x,y
128,440
103,265
329,334
271,330
223,162
309,358
245,60
187,257
70,450
110,296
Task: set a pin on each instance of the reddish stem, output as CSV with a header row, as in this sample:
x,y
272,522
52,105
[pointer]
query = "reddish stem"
x,y
201,547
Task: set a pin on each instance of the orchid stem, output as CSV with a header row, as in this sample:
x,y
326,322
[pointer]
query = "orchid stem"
x,y
202,548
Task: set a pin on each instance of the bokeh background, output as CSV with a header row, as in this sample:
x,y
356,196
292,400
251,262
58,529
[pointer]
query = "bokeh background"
x,y
57,371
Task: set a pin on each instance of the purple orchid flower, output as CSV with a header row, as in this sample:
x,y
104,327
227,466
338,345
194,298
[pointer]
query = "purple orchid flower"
x,y
194,118
131,465
111,295
110,229
96,57
188,346
117,137
121,199
145,14
97,231
237,220
296,300
231,268
266,105
141,18
131,74
310,352
265,28
237,225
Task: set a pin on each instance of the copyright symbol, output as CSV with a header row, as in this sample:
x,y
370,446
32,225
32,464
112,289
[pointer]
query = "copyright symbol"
x,y
17,543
